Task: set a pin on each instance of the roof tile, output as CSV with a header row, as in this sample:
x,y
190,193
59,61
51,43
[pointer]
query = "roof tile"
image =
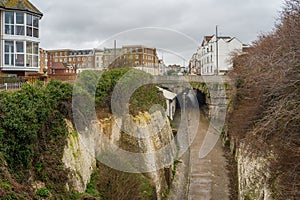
x,y
23,5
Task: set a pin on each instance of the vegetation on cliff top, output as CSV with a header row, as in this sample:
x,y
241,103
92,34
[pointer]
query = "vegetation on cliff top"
x,y
33,136
32,139
141,100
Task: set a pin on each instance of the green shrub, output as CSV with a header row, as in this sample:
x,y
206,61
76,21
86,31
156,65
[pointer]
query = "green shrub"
x,y
43,192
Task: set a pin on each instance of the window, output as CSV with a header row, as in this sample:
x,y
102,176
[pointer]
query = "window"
x,y
35,22
9,23
32,52
19,54
9,53
20,30
32,26
20,47
29,25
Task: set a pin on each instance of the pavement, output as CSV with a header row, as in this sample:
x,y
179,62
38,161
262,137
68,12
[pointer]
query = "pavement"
x,y
208,177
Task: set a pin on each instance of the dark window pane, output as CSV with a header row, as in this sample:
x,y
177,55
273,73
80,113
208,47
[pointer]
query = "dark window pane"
x,y
35,61
20,18
29,61
28,31
35,32
9,29
20,30
19,59
12,59
9,46
20,47
9,18
6,60
29,19
35,22
35,48
28,47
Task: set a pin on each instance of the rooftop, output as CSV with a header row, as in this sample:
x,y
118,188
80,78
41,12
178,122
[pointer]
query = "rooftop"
x,y
22,5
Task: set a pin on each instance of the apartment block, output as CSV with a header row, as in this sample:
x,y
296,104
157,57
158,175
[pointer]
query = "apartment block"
x,y
213,57
78,59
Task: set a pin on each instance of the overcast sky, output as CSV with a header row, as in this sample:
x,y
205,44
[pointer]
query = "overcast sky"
x,y
171,25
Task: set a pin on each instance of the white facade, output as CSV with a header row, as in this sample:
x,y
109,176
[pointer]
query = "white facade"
x,y
215,55
99,64
194,64
19,41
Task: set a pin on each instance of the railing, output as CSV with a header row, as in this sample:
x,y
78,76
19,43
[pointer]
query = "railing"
x,y
191,78
11,86
15,83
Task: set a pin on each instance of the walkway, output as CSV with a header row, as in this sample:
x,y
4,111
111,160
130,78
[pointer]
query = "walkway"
x,y
208,176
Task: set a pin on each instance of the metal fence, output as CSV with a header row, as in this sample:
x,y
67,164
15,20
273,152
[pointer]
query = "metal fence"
x,y
15,83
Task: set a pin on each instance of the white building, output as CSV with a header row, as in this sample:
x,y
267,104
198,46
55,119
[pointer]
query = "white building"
x,y
99,63
214,55
19,34
194,64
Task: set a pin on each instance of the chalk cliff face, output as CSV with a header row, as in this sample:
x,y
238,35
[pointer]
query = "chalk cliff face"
x,y
102,138
79,160
254,174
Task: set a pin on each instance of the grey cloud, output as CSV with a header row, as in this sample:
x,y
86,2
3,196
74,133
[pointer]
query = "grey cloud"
x,y
78,24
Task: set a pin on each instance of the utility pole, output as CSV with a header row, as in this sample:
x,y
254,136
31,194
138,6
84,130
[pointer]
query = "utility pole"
x,y
115,49
217,51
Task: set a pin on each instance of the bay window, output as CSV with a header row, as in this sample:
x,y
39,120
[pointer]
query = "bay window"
x,y
19,23
15,53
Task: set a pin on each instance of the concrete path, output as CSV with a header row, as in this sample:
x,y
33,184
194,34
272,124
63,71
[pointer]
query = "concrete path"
x,y
208,176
